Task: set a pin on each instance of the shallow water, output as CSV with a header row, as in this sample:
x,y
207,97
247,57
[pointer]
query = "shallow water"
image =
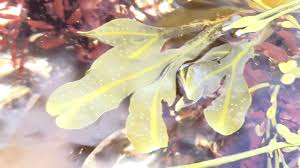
x,y
29,137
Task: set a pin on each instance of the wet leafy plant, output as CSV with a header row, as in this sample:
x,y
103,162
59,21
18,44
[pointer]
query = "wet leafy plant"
x,y
142,69
139,67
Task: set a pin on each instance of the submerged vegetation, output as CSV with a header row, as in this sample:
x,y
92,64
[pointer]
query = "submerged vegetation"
x,y
211,66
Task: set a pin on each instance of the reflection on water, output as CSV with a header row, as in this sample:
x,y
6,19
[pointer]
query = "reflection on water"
x,y
29,137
